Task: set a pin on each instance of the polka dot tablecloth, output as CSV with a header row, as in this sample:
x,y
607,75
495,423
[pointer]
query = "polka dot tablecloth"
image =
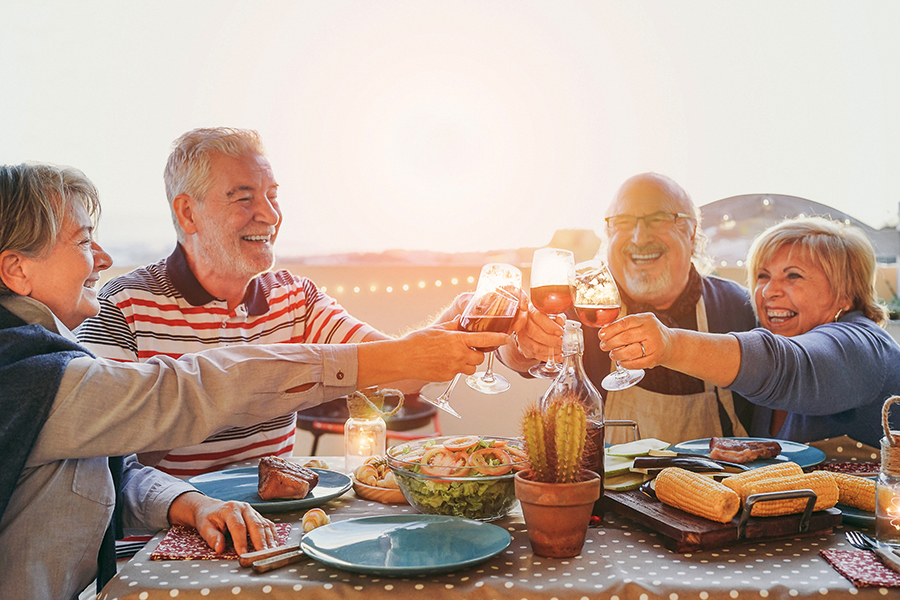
x,y
620,560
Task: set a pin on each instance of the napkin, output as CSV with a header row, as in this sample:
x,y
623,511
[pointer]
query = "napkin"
x,y
185,543
862,568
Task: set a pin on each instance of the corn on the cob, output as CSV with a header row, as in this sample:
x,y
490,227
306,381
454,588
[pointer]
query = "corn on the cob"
x,y
821,482
737,482
697,494
857,492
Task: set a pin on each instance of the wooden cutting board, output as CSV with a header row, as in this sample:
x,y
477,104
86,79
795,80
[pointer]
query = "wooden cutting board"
x,y
684,532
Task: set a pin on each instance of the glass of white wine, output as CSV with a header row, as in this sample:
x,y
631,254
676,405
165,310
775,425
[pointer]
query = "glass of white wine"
x,y
552,276
598,303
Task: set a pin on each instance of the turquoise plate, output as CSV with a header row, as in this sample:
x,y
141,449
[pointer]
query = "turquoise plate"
x,y
241,484
803,455
405,545
856,516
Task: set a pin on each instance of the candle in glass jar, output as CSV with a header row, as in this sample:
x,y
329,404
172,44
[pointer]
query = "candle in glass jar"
x,y
887,494
363,438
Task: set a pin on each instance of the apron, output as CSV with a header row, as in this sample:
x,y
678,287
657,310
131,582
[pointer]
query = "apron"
x,y
672,419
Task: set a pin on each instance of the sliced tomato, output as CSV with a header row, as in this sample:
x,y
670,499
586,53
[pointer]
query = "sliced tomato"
x,y
498,443
518,456
440,462
490,461
461,443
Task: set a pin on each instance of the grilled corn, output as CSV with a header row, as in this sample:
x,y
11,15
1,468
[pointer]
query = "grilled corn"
x,y
737,482
821,482
857,492
697,494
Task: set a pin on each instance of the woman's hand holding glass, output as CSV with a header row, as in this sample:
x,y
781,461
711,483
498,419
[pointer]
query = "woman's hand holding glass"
x,y
597,303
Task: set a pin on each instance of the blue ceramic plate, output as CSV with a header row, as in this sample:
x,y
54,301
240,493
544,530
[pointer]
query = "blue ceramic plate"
x,y
803,455
241,484
856,516
405,545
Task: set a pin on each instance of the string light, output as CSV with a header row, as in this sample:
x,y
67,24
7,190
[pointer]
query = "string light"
x,y
374,288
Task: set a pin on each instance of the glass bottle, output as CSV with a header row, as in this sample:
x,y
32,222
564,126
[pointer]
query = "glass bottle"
x,y
573,380
887,491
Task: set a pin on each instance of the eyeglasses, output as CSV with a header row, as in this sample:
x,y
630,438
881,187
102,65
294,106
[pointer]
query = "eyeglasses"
x,y
656,221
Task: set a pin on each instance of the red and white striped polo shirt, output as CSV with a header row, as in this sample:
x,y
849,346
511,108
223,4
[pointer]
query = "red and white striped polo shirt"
x,y
163,309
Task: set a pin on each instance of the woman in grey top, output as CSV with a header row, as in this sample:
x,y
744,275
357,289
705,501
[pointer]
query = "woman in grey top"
x,y
823,364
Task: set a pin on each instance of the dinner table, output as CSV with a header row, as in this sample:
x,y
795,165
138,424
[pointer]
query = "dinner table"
x,y
620,560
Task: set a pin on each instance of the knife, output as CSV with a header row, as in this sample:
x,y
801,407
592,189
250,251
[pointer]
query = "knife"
x,y
272,558
672,454
886,553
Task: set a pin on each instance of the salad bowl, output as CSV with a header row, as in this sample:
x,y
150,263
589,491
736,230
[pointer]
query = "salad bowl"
x,y
469,476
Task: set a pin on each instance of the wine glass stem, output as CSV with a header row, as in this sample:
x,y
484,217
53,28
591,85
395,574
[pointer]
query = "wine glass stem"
x,y
488,376
445,397
551,364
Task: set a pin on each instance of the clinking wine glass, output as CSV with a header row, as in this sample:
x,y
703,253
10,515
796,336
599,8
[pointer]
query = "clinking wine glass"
x,y
493,308
552,277
597,303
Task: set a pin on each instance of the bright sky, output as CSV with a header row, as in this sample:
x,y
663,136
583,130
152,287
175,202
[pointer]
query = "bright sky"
x,y
456,125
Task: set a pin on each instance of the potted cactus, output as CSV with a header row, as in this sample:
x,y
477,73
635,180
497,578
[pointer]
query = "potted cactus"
x,y
556,493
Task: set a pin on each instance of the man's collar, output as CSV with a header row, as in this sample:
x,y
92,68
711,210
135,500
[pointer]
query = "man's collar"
x,y
186,282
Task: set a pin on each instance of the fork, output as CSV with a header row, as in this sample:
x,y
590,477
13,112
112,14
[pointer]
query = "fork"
x,y
860,540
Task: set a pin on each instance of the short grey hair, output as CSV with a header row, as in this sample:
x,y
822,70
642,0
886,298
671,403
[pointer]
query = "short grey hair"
x,y
34,198
188,168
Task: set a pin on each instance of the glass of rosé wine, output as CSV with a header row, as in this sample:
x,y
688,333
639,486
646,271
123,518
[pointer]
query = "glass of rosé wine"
x,y
493,307
597,303
552,277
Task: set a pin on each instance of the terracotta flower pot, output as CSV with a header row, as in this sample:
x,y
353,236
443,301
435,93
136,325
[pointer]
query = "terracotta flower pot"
x,y
557,515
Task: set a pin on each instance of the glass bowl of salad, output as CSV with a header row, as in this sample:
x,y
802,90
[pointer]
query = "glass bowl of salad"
x,y
470,476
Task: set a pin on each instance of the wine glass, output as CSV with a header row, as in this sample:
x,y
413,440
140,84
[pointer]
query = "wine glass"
x,y
492,308
552,276
597,303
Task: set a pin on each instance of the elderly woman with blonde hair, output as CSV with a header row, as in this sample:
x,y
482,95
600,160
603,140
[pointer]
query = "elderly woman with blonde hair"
x,y
823,363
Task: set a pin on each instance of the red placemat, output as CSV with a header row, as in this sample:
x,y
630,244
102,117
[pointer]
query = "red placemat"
x,y
862,469
185,543
862,568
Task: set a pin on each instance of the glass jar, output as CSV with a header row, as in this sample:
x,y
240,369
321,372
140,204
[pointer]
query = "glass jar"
x,y
363,438
365,432
887,491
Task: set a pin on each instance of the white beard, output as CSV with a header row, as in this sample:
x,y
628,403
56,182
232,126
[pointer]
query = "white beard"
x,y
646,289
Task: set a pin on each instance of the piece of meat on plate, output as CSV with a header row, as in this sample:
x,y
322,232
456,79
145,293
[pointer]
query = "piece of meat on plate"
x,y
742,451
284,480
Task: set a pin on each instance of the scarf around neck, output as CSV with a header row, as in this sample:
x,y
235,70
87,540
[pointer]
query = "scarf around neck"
x,y
680,315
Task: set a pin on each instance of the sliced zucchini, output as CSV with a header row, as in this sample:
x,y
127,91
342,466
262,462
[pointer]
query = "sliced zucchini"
x,y
637,447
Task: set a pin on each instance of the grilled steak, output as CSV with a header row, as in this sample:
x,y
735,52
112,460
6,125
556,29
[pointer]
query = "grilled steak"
x,y
282,479
741,451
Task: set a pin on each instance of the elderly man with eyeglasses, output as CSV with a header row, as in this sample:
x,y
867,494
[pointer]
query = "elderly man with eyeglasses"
x,y
654,246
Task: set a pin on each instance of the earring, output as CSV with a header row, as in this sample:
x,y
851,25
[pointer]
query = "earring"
x,y
838,315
